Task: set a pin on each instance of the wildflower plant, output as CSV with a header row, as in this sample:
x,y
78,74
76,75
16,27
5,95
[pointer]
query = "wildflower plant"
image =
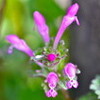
x,y
56,72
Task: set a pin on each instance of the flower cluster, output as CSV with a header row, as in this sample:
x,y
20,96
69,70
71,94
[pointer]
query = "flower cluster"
x,y
51,58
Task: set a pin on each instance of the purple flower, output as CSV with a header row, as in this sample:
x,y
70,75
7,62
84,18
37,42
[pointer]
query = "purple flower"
x,y
51,93
41,26
70,70
72,83
52,80
51,57
68,19
19,44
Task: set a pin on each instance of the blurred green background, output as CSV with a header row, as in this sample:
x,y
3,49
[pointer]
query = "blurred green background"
x,y
16,17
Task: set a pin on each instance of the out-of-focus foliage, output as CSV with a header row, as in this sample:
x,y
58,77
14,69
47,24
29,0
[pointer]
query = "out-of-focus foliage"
x,y
17,18
95,85
89,96
18,15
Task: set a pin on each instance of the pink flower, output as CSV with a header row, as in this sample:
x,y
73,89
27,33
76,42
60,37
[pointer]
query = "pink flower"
x,y
52,80
51,93
68,19
51,57
19,44
70,70
41,26
72,83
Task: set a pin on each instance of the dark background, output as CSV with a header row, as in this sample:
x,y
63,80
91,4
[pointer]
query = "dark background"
x,y
85,44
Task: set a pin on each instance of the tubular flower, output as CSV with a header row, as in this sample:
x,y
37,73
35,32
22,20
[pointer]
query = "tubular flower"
x,y
52,57
19,44
68,19
41,26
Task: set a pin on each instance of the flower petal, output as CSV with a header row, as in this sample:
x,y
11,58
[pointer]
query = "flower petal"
x,y
75,84
12,39
54,93
70,70
48,94
10,50
72,10
77,21
69,85
68,19
41,26
52,79
72,83
19,44
51,93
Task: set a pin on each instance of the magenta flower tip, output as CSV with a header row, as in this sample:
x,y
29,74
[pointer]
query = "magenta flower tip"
x,y
72,11
38,18
41,26
19,44
12,38
70,70
52,79
51,57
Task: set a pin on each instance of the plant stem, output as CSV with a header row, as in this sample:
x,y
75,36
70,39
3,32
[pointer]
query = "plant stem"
x,y
66,94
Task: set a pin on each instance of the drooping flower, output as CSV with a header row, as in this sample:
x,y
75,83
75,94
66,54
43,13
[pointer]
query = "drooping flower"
x,y
68,19
51,93
72,83
19,44
41,26
52,79
70,70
